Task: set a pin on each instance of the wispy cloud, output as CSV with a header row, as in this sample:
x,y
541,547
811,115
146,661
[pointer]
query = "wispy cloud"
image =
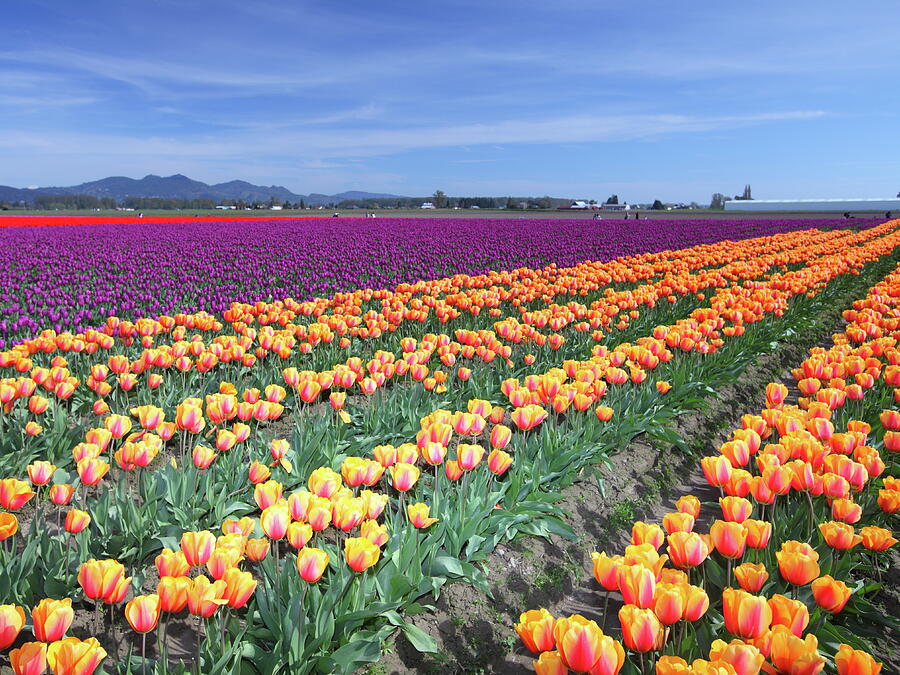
x,y
368,142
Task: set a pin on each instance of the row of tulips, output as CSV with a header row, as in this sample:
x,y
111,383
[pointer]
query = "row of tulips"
x,y
54,277
306,386
810,473
340,508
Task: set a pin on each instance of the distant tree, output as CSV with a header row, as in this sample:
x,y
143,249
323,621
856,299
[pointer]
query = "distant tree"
x,y
657,206
439,199
747,196
718,201
898,195
302,204
510,204
614,199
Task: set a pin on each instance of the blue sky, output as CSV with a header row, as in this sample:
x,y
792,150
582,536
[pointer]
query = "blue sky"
x,y
669,100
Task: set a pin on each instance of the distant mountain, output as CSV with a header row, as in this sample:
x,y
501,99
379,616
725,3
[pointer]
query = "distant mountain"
x,y
181,187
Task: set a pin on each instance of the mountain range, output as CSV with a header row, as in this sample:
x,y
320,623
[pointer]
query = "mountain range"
x,y
182,187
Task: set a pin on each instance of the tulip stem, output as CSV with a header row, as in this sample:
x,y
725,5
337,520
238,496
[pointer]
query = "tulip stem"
x,y
223,626
301,610
605,607
812,512
143,653
161,638
643,668
197,654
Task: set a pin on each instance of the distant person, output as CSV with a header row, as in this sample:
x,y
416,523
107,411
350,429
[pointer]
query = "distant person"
x,y
335,215
846,215
141,214
888,215
637,216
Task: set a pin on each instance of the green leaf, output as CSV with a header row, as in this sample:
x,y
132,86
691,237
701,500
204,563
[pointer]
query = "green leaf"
x,y
419,639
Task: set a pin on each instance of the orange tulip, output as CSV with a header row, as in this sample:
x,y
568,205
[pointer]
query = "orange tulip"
x,y
324,482
348,512
223,559
499,462
173,593
641,630
637,585
688,504
876,538
673,665
204,597
312,563
798,562
644,533
319,513
268,493
258,473
171,563
40,473
550,663
830,594
14,493
52,618
669,603
889,500
729,539
687,549
92,470
846,511
716,469
500,436
790,654
851,661
744,658
696,603
29,659
9,525
606,570
746,615
239,587
735,509
792,614
142,613
751,576
257,549
61,494
72,656
840,536
583,647
203,456
298,534
12,619
535,628
76,521
418,515
275,519
361,553
101,579
197,547
469,456
678,522
404,476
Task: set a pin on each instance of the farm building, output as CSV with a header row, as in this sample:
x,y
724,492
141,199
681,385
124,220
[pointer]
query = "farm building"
x,y
842,205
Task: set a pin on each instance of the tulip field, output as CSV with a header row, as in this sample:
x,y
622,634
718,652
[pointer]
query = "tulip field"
x,y
267,447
